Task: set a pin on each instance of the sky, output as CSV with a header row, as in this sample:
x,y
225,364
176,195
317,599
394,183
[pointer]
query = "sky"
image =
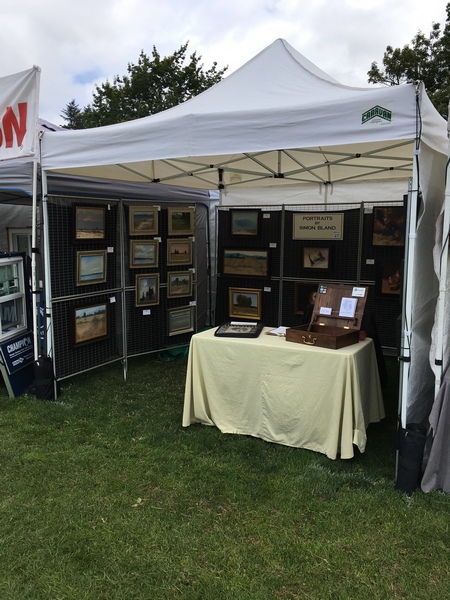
x,y
81,44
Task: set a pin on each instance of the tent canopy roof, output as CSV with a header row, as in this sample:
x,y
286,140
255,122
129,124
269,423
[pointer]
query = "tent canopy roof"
x,y
276,120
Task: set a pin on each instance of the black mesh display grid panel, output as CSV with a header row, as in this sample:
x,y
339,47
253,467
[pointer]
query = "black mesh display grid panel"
x,y
64,247
146,328
353,261
71,359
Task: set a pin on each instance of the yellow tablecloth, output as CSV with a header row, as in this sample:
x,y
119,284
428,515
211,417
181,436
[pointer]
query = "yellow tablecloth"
x,y
284,392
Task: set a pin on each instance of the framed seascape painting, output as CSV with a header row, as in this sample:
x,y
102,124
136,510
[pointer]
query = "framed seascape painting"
x,y
91,267
180,320
89,223
143,220
239,261
244,303
180,221
245,222
90,323
316,258
147,289
388,226
179,284
143,253
179,252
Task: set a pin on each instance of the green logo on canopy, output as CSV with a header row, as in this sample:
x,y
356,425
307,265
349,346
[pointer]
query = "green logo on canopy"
x,y
376,112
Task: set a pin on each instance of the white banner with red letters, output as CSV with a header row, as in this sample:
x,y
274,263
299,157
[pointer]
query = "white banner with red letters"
x,y
19,99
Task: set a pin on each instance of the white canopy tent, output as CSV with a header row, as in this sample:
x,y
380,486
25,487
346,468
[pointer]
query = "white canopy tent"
x,y
280,123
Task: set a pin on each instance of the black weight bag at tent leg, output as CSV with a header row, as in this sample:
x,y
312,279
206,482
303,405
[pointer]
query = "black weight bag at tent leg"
x,y
43,386
411,444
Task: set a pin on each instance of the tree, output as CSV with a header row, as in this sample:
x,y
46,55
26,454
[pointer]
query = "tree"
x,y
427,59
152,85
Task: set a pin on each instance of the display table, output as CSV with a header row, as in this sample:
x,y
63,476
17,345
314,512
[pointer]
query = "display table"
x,y
284,392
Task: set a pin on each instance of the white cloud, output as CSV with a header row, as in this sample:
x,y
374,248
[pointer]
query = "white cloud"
x,y
80,44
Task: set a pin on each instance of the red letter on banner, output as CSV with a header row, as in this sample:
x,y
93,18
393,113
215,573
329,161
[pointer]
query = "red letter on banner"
x,y
9,123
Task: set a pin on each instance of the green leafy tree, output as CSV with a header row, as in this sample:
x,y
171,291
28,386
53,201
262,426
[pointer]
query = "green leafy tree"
x,y
153,84
426,59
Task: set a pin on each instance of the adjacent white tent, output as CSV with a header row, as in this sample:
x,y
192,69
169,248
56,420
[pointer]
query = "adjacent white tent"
x,y
277,123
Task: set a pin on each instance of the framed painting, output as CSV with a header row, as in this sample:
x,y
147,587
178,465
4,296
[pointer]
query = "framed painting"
x,y
180,221
179,284
147,289
180,320
143,220
89,223
239,261
91,267
316,257
245,222
389,278
305,295
90,323
244,303
143,253
388,226
179,252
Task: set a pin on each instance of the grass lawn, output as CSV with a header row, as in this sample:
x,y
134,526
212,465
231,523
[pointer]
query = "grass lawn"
x,y
105,496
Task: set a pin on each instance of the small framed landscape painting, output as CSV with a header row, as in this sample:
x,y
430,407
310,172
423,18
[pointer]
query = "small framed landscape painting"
x,y
245,222
180,221
239,261
89,223
143,253
244,303
179,284
143,220
180,320
90,323
91,267
179,251
147,289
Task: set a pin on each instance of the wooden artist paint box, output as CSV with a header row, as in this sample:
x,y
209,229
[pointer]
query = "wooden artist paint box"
x,y
336,318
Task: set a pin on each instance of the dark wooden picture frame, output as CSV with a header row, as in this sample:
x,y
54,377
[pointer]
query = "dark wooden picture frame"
x,y
304,295
179,251
143,220
245,222
388,226
179,284
246,261
90,223
389,278
180,320
91,267
245,303
180,221
147,289
316,257
90,323
143,253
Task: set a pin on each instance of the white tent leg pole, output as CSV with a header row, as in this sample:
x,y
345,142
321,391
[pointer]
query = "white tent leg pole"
x,y
34,287
439,353
408,291
47,278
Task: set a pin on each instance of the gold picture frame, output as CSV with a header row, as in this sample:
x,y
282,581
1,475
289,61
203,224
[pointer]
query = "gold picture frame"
x,y
244,303
143,220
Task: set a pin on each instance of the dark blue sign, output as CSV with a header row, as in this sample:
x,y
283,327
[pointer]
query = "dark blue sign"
x,y
18,352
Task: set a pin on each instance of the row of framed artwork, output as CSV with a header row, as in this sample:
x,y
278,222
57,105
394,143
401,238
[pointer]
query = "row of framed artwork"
x,y
91,323
255,262
92,264
90,221
245,303
388,227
